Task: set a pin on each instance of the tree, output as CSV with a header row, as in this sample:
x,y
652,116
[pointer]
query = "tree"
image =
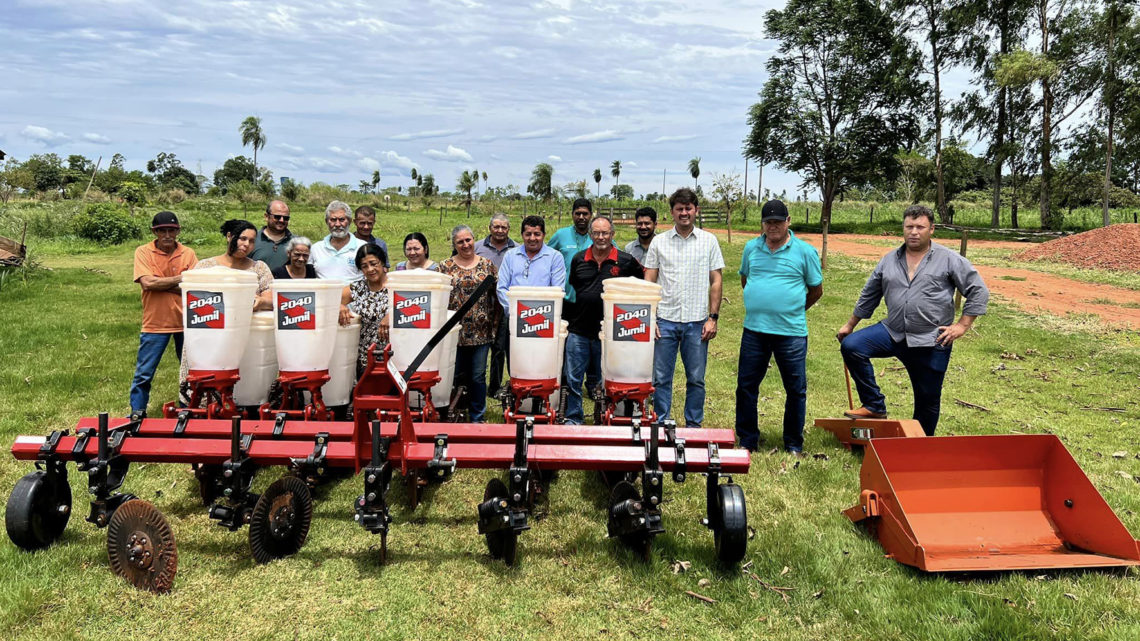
x,y
842,95
467,182
484,181
170,173
984,24
133,194
233,171
375,180
695,170
15,177
47,172
578,188
427,189
728,189
1114,24
615,171
541,185
252,135
290,190
598,181
365,186
622,192
117,162
760,145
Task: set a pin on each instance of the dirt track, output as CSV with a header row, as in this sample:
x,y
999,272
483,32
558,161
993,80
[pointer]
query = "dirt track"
x,y
1030,290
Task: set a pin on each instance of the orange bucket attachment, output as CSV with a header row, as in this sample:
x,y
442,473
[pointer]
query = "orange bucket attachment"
x,y
984,503
858,431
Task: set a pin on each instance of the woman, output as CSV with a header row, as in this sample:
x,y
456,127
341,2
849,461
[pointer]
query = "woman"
x,y
368,299
297,265
416,252
477,332
240,238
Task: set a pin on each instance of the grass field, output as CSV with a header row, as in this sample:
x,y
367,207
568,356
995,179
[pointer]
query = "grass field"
x,y
68,338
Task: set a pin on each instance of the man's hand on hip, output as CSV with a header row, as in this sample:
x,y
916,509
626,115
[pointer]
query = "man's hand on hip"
x,y
949,333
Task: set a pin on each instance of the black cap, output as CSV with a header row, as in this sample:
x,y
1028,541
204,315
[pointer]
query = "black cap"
x,y
774,210
165,219
583,202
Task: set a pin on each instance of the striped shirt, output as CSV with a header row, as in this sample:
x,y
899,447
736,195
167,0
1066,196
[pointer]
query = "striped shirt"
x,y
684,265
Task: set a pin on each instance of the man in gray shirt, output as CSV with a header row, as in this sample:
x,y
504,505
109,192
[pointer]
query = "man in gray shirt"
x,y
493,248
918,281
646,221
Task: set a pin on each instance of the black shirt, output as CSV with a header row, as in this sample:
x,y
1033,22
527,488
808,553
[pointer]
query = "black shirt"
x,y
587,276
283,272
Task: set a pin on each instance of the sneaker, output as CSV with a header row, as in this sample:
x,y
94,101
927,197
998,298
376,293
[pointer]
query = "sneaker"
x,y
863,412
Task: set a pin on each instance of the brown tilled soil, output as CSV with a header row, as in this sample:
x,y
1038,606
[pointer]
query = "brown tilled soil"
x,y
1114,247
1029,290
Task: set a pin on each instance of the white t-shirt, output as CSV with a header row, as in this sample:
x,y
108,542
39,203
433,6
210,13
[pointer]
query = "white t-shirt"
x,y
333,263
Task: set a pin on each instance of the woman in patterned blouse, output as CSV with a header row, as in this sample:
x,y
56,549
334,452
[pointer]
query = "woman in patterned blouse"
x,y
368,299
477,331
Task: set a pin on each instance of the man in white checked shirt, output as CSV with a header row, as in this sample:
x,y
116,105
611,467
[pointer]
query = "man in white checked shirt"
x,y
687,263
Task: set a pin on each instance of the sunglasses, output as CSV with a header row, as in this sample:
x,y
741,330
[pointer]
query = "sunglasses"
x,y
279,217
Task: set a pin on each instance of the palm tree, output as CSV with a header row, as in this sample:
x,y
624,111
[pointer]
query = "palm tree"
x,y
541,181
615,171
251,134
695,170
467,182
598,180
484,182
375,180
415,178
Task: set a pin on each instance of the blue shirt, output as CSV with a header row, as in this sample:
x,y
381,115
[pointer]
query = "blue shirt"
x,y
546,269
570,243
775,294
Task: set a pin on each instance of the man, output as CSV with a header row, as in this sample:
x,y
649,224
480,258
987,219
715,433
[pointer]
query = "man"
x,y
781,278
533,264
334,256
493,248
687,262
646,221
273,237
158,271
365,219
917,281
573,240
588,271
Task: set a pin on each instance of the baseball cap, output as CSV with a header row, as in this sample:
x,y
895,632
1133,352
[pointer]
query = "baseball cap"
x,y
165,219
774,210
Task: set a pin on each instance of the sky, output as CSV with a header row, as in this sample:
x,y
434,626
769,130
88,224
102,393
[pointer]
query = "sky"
x,y
347,87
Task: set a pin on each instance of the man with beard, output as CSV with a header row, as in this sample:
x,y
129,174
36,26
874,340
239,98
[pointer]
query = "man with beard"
x,y
334,256
270,247
646,221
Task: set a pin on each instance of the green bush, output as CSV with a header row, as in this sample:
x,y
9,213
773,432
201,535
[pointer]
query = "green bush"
x,y
106,223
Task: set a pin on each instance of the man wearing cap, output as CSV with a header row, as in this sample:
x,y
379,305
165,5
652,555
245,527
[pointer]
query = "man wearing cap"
x,y
588,272
687,263
646,220
782,279
273,237
917,281
158,271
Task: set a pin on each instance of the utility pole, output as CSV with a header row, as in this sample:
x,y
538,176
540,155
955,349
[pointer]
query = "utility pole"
x,y
662,182
95,171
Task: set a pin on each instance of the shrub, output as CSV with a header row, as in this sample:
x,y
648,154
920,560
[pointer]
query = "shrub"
x,y
106,223
171,197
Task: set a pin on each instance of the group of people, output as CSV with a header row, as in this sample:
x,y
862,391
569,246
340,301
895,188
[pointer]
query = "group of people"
x,y
780,276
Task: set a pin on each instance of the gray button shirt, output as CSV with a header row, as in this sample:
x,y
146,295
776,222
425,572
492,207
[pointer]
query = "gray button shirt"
x,y
485,249
917,308
635,248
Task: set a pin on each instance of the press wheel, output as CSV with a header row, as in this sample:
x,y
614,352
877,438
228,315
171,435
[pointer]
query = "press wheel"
x,y
141,546
731,538
281,518
502,544
38,510
640,543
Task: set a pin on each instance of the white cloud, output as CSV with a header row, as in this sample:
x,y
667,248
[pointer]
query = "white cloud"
x,y
629,164
537,133
312,163
97,139
345,153
291,150
44,136
597,136
660,139
180,142
435,133
453,154
368,164
393,159
554,158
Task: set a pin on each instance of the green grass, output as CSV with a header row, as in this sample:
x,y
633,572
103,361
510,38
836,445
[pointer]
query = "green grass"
x,y
68,338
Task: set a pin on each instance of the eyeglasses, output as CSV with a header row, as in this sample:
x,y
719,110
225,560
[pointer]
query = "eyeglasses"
x,y
279,217
601,234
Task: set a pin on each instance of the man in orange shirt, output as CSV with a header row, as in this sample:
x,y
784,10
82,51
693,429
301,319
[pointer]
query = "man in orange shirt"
x,y
158,271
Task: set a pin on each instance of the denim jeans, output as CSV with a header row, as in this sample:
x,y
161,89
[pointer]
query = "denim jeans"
x,y
471,370
151,347
686,339
756,350
925,365
583,357
500,357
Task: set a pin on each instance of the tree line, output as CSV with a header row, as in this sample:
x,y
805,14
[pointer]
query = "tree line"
x,y
855,101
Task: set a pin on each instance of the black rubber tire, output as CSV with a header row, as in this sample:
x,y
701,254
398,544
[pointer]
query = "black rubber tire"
x,y
38,510
731,537
502,544
287,499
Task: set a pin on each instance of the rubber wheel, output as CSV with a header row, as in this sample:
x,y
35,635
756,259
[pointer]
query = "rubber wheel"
x,y
640,544
281,518
141,546
502,544
731,537
38,510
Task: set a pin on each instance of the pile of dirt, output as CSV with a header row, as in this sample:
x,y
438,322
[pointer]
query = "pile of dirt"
x,y
1114,247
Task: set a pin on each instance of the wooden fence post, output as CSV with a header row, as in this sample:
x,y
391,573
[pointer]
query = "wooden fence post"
x,y
962,251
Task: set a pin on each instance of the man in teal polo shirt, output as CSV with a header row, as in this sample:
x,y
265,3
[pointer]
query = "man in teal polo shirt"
x,y
781,277
571,241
